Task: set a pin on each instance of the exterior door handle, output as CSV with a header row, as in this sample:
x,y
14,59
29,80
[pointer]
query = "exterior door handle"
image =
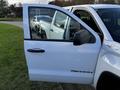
x,y
51,30
36,50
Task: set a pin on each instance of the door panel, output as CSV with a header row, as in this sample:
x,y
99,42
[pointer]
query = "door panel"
x,y
57,59
62,60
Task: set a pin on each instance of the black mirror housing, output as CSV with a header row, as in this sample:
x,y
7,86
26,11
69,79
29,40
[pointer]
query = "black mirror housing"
x,y
76,40
82,37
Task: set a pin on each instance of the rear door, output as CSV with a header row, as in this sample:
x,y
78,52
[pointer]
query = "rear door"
x,y
56,59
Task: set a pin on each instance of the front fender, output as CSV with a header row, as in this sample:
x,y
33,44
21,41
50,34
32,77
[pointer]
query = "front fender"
x,y
107,62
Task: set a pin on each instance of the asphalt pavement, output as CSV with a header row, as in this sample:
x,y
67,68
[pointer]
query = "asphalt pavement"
x,y
16,23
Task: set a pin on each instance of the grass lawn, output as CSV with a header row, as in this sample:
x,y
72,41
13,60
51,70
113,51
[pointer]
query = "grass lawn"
x,y
13,69
10,19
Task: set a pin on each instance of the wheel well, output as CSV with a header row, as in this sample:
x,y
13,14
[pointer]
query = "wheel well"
x,y
108,81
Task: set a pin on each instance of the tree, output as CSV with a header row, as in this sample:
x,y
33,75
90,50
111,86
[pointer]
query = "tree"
x,y
15,10
83,1
108,1
71,2
18,11
3,8
12,7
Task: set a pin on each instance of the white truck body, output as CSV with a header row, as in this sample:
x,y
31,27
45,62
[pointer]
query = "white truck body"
x,y
56,57
109,57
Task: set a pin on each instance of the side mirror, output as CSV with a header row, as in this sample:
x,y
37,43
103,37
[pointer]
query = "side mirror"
x,y
77,39
82,37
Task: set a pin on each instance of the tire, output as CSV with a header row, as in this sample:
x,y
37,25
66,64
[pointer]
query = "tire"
x,y
108,81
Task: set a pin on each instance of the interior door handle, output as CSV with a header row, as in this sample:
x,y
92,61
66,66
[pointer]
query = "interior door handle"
x,y
36,50
51,30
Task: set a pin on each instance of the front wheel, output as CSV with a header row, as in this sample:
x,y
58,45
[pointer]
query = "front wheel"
x,y
108,81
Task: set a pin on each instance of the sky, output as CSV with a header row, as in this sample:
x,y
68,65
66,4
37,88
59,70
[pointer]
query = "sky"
x,y
27,1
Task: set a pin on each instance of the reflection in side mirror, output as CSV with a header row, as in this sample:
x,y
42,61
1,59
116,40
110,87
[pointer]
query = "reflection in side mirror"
x,y
82,37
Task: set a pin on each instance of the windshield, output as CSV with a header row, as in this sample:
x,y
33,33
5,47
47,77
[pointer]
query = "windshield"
x,y
111,19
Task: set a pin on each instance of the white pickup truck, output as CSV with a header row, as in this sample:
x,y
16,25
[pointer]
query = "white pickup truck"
x,y
72,51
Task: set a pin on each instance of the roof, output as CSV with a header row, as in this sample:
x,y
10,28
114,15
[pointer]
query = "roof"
x,y
97,6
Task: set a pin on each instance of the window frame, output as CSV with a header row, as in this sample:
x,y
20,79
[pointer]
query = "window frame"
x,y
54,40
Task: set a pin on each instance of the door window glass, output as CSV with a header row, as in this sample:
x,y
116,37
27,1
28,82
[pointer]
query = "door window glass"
x,y
88,19
40,22
50,24
60,20
74,27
